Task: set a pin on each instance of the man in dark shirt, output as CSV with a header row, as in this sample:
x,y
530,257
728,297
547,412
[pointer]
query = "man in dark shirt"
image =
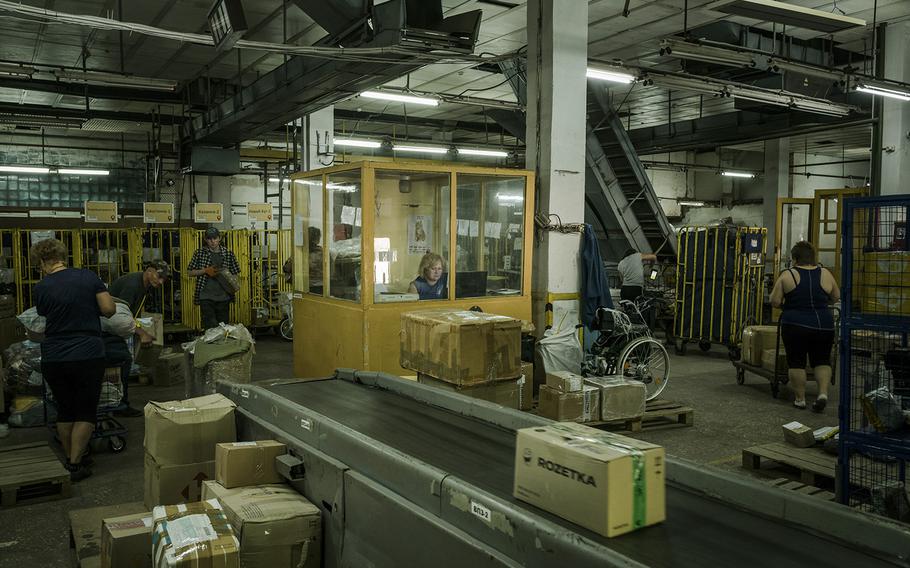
x,y
133,288
213,297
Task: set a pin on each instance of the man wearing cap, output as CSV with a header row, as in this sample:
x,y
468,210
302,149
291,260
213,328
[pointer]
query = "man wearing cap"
x,y
133,289
213,297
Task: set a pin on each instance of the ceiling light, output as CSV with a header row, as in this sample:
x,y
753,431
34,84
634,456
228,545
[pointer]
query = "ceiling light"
x,y
692,203
277,180
777,65
506,198
706,53
883,91
24,170
423,149
479,152
386,96
115,80
357,143
84,172
16,70
787,14
612,76
737,174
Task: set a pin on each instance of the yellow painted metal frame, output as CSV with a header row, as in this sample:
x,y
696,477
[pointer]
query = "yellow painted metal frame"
x,y
822,219
333,332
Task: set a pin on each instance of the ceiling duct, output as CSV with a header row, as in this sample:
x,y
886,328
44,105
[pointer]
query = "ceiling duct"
x,y
787,14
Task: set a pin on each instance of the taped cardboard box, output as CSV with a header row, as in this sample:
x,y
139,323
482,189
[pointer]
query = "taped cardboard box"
x,y
564,381
277,527
186,431
602,481
506,392
620,399
580,406
757,338
799,435
126,541
169,369
173,484
461,347
195,535
248,463
526,401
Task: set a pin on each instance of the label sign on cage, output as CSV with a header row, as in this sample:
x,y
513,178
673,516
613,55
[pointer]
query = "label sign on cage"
x,y
259,211
208,213
157,212
100,211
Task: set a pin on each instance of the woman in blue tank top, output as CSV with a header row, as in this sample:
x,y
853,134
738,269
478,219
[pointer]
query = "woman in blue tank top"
x,y
431,284
805,293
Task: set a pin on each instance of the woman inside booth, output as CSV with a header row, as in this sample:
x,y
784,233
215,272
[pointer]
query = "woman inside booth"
x,y
432,281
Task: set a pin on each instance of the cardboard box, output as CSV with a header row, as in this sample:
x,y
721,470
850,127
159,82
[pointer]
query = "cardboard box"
x,y
8,306
602,481
526,401
825,433
85,533
564,381
580,406
767,359
620,399
126,541
248,463
169,370
186,431
195,535
798,435
276,526
757,338
173,484
156,330
461,347
506,393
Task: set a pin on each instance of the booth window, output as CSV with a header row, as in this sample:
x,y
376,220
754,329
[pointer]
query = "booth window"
x,y
343,193
308,236
412,215
489,235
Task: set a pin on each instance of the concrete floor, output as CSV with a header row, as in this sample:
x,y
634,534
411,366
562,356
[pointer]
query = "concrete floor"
x,y
728,418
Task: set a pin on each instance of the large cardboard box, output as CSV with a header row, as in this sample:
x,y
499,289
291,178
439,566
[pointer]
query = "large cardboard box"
x,y
195,535
277,526
461,347
580,406
564,381
248,463
602,481
757,338
126,541
169,484
169,370
506,393
620,399
799,435
186,431
526,401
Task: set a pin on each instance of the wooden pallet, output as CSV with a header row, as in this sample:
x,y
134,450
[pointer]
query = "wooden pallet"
x,y
31,473
658,414
790,485
813,464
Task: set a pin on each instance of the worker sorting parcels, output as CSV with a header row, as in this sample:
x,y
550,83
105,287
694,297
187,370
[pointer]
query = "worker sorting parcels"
x,y
804,294
632,272
214,290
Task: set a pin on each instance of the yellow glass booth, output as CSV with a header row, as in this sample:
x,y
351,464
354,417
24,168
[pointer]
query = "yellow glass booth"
x,y
347,310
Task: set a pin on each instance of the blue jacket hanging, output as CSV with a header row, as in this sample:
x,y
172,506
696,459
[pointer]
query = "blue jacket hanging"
x,y
595,291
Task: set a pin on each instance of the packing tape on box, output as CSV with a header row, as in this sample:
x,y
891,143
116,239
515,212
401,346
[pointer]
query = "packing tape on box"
x,y
639,483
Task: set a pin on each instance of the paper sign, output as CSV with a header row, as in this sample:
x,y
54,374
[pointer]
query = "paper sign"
x,y
348,214
38,236
100,211
299,239
492,230
474,227
420,228
357,217
208,213
157,212
259,211
463,228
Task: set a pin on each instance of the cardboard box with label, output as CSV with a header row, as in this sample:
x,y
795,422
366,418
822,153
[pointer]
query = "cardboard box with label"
x,y
506,393
579,406
126,541
757,338
248,463
170,484
460,346
186,431
277,527
526,401
620,399
195,535
799,435
169,370
564,381
602,481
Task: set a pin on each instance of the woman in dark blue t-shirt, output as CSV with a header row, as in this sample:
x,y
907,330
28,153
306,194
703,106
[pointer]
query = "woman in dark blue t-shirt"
x,y
430,284
72,353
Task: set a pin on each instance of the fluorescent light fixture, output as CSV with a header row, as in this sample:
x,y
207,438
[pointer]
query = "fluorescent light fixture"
x,y
613,76
24,170
506,198
357,143
277,180
50,213
705,53
115,80
777,66
421,149
14,70
737,174
479,152
344,187
787,14
387,96
883,92
77,172
692,203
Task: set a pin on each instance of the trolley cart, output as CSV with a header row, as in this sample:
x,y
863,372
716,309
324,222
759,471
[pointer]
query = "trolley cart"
x,y
107,427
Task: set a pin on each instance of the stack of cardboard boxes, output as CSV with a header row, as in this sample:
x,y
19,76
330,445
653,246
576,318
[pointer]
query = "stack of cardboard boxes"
x,y
473,353
568,397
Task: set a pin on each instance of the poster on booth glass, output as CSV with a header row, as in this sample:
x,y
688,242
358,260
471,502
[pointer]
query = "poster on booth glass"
x,y
157,212
208,213
420,228
100,211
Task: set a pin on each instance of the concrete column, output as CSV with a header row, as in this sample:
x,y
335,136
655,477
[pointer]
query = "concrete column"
x,y
777,184
895,121
318,133
557,93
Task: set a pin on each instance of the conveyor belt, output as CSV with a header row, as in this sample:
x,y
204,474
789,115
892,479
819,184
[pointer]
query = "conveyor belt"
x,y
698,531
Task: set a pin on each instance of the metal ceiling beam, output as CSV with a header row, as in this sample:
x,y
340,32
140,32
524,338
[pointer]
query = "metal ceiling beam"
x,y
92,91
82,114
419,122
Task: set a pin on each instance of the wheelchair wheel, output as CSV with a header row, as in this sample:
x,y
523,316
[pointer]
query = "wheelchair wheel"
x,y
645,359
117,444
286,329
